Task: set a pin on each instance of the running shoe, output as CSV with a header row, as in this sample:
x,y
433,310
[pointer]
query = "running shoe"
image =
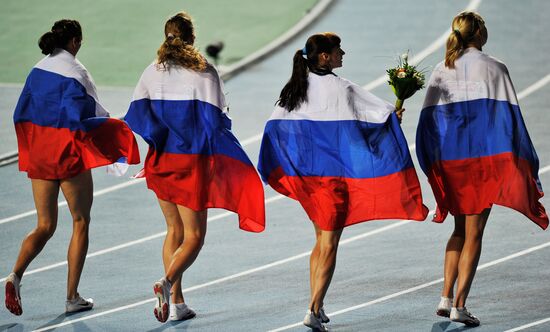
x,y
13,298
181,311
323,316
314,322
444,306
78,304
464,316
161,289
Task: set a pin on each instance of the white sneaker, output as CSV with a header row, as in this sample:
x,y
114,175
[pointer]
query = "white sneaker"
x,y
313,322
161,289
78,304
13,298
181,311
323,316
464,316
444,306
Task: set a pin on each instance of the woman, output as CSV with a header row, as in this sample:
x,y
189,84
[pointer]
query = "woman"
x,y
473,146
339,151
62,133
194,161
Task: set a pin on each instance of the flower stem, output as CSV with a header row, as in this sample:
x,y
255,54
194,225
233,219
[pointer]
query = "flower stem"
x,y
399,104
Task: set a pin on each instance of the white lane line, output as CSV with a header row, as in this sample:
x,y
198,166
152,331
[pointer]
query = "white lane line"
x,y
544,170
439,42
64,203
534,87
526,326
422,286
230,277
134,242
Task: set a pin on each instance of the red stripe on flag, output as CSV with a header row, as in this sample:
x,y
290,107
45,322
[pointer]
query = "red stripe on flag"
x,y
336,202
59,153
471,185
200,182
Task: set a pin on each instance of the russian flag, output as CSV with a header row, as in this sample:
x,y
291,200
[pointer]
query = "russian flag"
x,y
194,159
342,155
61,128
472,142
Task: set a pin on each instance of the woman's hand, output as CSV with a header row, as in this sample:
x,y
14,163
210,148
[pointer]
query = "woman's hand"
x,y
399,114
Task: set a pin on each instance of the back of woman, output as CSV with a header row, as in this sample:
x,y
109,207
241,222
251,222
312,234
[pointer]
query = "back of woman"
x,y
472,140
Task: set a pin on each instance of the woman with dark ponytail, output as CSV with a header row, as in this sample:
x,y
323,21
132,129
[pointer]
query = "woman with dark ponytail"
x,y
194,160
473,145
62,133
339,151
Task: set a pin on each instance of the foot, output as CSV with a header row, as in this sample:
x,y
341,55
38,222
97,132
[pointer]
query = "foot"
x,y
181,311
323,316
314,322
461,315
444,306
161,289
78,304
13,298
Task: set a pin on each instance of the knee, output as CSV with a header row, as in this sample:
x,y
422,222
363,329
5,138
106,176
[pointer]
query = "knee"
x,y
328,248
46,230
175,230
81,223
194,241
459,233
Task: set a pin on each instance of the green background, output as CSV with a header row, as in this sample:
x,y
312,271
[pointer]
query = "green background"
x,y
121,37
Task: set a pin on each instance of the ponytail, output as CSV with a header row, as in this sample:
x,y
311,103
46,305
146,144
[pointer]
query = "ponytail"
x,y
61,33
178,46
294,92
466,29
455,47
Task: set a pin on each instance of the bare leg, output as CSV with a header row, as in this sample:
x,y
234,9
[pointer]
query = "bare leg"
x,y
172,241
452,256
313,259
467,265
78,192
194,231
328,247
45,193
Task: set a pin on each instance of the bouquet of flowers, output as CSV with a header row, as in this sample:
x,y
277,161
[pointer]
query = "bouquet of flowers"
x,y
405,80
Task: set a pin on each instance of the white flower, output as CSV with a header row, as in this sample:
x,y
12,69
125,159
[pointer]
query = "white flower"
x,y
405,56
401,74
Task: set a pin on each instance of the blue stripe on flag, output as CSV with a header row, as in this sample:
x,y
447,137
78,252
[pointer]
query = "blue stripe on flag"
x,y
351,149
184,127
52,100
472,129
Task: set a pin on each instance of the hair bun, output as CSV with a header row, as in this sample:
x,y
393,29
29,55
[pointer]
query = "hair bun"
x,y
48,42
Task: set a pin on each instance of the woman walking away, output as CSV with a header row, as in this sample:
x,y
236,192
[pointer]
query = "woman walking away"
x,y
474,147
62,133
339,151
194,161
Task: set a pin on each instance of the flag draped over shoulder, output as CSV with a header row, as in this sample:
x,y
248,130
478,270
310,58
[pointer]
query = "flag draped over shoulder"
x,y
61,128
472,142
342,155
194,159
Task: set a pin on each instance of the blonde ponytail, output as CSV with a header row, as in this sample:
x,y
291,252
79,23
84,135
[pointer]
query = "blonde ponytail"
x,y
466,29
178,47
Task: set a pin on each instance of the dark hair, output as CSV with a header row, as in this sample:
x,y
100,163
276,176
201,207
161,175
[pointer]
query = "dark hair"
x,y
294,92
178,44
60,35
466,29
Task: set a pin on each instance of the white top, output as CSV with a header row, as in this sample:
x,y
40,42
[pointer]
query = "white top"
x,y
331,98
476,76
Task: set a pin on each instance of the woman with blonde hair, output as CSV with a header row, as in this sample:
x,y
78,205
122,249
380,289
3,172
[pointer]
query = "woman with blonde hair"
x,y
473,145
194,160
